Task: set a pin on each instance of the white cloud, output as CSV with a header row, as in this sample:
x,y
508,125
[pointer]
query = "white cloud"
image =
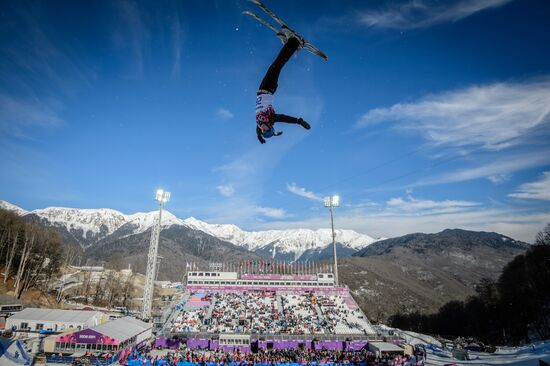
x,y
411,205
539,190
177,44
502,167
224,114
302,192
226,190
494,116
499,178
425,13
276,213
509,221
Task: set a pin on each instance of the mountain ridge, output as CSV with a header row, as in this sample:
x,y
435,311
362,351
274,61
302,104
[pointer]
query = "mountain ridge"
x,y
87,227
455,237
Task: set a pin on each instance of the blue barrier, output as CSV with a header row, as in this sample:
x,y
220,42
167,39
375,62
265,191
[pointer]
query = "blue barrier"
x,y
23,360
59,359
139,362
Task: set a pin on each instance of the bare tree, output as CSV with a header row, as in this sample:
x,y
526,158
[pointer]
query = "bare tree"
x,y
87,286
543,237
30,238
128,289
11,250
99,292
45,262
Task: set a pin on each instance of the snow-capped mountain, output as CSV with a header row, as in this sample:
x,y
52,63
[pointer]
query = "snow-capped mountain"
x,y
92,222
296,241
88,226
142,221
13,208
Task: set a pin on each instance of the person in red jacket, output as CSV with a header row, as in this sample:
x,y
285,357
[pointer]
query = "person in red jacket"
x,y
266,116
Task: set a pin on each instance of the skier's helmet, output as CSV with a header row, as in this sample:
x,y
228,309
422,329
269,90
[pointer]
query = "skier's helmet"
x,y
269,133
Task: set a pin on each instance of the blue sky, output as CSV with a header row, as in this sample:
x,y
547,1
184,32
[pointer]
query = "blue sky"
x,y
428,114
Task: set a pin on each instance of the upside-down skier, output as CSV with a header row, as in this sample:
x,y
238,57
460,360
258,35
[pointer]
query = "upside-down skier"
x,y
265,113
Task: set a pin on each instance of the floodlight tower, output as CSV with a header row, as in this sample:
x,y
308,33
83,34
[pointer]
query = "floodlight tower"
x,y
162,197
331,202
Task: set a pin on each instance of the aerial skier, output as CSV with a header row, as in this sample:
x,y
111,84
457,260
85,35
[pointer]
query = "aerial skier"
x,y
265,113
266,116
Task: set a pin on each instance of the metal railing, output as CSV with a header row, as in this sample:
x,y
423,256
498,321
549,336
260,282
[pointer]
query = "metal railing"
x,y
258,336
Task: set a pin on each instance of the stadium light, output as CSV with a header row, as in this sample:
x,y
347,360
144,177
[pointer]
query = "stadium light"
x,y
161,197
331,202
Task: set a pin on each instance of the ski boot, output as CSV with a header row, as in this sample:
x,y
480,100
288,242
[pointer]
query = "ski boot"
x,y
303,123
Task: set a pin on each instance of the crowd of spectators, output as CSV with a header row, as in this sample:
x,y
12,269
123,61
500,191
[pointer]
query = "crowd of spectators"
x,y
340,319
184,357
267,312
203,357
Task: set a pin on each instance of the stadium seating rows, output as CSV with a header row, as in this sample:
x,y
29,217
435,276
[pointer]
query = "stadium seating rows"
x,y
270,313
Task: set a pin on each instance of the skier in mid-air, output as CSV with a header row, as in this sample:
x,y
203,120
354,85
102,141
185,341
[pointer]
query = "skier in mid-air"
x,y
265,113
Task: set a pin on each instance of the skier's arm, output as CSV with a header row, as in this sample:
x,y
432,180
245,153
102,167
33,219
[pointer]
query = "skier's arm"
x,y
259,135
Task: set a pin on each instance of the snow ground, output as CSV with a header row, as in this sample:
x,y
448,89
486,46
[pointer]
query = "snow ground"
x,y
516,356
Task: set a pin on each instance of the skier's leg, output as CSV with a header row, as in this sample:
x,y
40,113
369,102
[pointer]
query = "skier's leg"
x,y
289,119
270,80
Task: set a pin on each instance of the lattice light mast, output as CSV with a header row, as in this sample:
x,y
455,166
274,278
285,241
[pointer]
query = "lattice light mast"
x,y
162,197
331,202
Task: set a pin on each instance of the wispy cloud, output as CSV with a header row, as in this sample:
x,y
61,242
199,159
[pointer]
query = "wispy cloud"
x,y
302,192
16,116
425,13
224,114
275,213
245,174
411,205
39,73
539,190
499,178
226,190
429,217
177,39
494,116
500,168
132,35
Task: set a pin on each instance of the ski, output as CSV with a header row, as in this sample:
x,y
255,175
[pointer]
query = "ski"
x,y
267,24
308,46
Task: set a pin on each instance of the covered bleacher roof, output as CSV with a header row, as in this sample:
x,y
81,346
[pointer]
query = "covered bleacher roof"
x,y
123,328
55,315
384,347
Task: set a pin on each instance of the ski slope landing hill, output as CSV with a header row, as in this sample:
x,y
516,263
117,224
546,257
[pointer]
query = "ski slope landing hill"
x,y
516,356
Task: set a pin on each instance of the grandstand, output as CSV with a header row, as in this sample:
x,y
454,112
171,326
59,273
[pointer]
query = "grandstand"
x,y
229,310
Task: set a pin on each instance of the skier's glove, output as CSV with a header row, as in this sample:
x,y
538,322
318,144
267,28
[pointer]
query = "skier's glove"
x,y
259,135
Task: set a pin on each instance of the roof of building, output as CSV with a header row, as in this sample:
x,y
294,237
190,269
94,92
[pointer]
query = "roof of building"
x,y
123,328
55,315
386,347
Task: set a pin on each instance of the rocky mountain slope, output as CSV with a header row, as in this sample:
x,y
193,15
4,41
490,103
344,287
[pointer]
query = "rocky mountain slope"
x,y
423,271
178,245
